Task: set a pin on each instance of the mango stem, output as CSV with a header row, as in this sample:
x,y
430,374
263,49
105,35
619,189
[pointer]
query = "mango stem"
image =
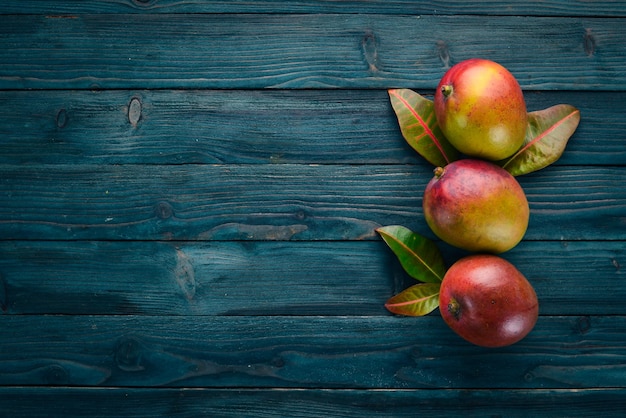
x,y
446,90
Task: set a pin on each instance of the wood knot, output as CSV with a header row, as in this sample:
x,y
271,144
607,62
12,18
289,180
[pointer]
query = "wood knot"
x,y
163,210
369,44
300,215
61,118
128,354
444,53
616,264
185,275
56,375
583,324
134,111
589,42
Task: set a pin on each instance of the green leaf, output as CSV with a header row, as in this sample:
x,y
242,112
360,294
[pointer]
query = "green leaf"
x,y
417,300
546,137
418,255
418,124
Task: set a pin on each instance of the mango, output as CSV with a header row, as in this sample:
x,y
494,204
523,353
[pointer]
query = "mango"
x,y
477,206
488,301
480,108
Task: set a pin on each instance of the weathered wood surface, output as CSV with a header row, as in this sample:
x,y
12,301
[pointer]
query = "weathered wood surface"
x,y
242,278
311,403
305,352
277,202
454,7
254,127
303,51
190,190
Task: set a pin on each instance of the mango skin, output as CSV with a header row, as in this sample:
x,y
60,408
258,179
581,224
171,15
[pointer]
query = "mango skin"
x,y
480,109
477,206
488,301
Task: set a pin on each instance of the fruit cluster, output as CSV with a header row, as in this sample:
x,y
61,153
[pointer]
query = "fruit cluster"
x,y
479,135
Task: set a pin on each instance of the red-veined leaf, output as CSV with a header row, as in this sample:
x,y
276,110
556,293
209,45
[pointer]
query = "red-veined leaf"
x,y
418,300
546,137
418,255
418,124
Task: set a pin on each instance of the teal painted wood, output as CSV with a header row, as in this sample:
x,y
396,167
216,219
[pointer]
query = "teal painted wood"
x,y
275,278
303,51
254,127
305,352
175,241
313,403
277,202
221,278
493,7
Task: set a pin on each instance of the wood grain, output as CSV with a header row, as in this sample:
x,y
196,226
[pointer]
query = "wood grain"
x,y
402,7
254,127
305,352
277,202
62,402
221,278
274,278
190,190
304,51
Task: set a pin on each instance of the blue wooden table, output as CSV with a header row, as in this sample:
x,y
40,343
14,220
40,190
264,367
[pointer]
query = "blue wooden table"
x,y
190,191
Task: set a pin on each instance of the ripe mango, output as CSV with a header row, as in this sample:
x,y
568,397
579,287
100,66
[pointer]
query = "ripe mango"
x,y
488,301
480,109
477,206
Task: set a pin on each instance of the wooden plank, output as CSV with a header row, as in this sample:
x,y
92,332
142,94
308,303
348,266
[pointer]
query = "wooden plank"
x,y
277,202
53,402
490,7
221,278
253,127
304,51
304,352
274,278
